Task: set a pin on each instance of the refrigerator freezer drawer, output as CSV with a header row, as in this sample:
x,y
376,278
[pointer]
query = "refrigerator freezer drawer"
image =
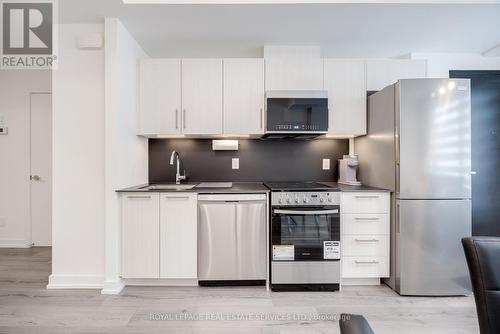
x,y
365,267
365,202
431,260
365,223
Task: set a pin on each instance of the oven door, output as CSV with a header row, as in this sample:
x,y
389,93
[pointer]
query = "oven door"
x,y
305,233
297,115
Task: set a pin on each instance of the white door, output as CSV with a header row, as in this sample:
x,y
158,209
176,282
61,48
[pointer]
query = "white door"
x,y
244,96
345,80
140,241
41,168
159,96
178,236
294,74
384,72
202,96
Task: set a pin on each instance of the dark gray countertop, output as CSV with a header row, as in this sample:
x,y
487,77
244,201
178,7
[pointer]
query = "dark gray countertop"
x,y
244,187
346,188
238,187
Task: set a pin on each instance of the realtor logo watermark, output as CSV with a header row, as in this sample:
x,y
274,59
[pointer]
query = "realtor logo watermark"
x,y
28,34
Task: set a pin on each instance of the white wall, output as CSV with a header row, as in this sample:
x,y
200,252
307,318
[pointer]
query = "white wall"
x,y
78,163
439,64
126,153
15,89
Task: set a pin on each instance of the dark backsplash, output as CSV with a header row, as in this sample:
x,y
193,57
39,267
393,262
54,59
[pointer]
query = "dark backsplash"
x,y
260,160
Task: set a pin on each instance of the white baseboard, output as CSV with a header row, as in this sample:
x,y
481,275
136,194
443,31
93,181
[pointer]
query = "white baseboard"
x,y
160,282
75,282
112,287
43,244
360,281
15,243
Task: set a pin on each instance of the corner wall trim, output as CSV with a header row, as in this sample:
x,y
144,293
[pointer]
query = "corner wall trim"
x,y
75,282
15,243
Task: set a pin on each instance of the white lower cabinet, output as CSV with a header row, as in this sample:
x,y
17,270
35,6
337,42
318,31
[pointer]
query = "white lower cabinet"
x,y
365,236
159,236
178,236
140,228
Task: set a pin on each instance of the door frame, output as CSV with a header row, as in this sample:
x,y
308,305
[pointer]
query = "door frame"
x,y
30,234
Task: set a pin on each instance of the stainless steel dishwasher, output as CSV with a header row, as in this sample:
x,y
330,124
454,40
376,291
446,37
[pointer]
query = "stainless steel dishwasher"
x,y
232,239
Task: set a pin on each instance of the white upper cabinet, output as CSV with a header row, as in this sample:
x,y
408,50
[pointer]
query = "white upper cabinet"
x,y
294,74
345,80
244,95
202,96
159,96
384,72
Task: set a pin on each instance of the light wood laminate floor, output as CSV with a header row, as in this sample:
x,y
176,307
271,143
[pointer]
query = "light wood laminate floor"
x,y
27,307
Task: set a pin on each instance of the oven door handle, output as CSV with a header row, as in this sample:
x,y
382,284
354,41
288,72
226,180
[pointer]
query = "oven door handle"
x,y
305,212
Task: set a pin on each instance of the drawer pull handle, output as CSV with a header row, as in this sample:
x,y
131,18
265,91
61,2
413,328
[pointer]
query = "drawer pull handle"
x,y
366,196
366,262
139,197
366,240
366,219
176,197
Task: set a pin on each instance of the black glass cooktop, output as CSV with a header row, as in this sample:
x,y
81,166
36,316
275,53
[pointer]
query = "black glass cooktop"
x,y
296,186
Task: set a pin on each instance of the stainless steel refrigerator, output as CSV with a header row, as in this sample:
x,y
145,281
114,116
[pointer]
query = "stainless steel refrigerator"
x,y
418,146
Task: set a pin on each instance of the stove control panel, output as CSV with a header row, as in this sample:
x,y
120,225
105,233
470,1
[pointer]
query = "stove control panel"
x,y
309,198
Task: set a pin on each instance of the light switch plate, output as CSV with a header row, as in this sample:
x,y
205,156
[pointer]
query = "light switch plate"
x,y
235,163
3,130
326,164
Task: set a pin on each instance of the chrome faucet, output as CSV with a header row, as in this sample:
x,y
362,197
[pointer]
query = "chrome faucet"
x,y
178,176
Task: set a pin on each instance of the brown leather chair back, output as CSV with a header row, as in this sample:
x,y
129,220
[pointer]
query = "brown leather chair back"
x,y
483,259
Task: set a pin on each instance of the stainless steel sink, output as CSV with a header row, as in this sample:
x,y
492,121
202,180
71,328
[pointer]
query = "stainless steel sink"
x,y
169,186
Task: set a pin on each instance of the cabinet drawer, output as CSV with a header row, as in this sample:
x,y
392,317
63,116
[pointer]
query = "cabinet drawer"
x,y
365,245
365,202
365,223
365,267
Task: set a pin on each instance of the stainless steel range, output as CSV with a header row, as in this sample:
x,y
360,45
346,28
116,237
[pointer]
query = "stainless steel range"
x,y
304,236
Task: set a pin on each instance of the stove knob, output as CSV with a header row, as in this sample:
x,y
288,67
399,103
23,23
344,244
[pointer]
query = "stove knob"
x,y
297,200
306,199
321,199
289,200
280,201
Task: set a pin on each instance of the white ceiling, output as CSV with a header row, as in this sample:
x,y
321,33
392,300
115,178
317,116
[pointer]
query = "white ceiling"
x,y
343,30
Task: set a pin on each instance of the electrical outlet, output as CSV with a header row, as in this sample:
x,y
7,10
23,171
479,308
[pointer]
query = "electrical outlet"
x,y
3,221
235,163
326,164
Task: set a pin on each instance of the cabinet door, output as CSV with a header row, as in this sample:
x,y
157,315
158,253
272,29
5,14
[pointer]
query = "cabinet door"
x,y
178,235
294,74
345,80
243,96
202,96
384,72
159,96
140,227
